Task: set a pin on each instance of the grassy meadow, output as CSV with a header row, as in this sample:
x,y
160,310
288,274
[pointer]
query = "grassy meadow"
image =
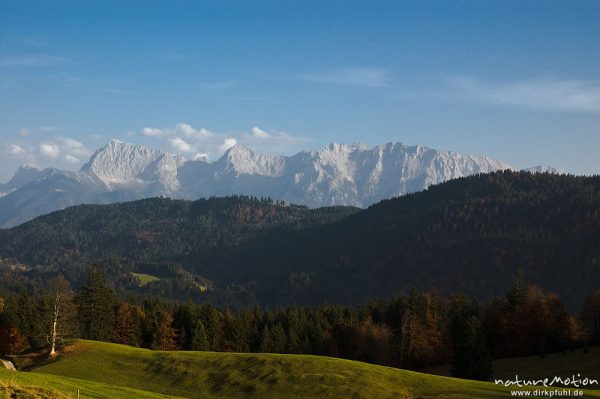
x,y
104,370
562,364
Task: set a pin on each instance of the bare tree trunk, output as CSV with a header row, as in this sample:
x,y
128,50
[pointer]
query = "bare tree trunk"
x,y
54,323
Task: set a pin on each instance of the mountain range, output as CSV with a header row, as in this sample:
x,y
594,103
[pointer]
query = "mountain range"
x,y
339,174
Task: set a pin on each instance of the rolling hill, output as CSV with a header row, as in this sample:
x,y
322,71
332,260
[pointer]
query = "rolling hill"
x,y
102,370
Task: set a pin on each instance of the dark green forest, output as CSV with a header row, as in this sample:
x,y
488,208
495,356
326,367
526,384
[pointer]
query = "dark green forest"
x,y
470,235
410,331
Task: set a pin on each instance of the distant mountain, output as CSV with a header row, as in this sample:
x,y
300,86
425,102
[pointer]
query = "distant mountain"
x,y
25,174
470,234
124,166
543,169
356,175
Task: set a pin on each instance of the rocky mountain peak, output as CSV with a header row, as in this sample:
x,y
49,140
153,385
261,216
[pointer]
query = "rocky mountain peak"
x,y
339,174
120,163
241,160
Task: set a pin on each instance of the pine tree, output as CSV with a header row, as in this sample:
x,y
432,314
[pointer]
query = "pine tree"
x,y
199,338
214,329
517,290
95,302
591,316
165,336
471,358
279,339
266,342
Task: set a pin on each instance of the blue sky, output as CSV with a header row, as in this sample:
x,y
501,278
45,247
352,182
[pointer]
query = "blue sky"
x,y
513,80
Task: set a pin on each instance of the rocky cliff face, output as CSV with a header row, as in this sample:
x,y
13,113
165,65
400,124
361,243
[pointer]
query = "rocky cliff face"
x,y
339,174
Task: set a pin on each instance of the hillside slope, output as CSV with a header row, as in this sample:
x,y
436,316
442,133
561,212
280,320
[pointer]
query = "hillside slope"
x,y
470,234
231,375
158,236
22,385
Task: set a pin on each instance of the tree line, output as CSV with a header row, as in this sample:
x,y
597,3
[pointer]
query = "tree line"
x,y
411,331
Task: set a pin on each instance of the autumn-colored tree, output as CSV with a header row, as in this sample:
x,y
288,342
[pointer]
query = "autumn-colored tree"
x,y
124,324
11,341
228,329
563,331
165,336
373,342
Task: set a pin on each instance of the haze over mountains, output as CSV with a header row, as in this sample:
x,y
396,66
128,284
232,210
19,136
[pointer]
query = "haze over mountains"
x,y
339,174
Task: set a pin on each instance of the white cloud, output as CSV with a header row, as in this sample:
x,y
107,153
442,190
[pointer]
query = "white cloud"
x,y
180,144
358,76
188,131
227,144
71,159
60,152
180,129
185,139
151,132
541,93
74,148
61,149
25,132
259,133
273,142
201,157
49,150
16,150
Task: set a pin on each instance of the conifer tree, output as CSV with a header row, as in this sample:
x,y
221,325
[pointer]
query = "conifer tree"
x,y
95,302
471,358
165,336
591,316
266,344
199,339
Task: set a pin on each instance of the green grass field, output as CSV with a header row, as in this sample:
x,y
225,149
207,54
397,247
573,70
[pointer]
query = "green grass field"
x,y
535,367
145,278
23,385
568,363
103,370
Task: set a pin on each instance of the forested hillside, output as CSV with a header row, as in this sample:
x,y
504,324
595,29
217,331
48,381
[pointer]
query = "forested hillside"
x,y
470,234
